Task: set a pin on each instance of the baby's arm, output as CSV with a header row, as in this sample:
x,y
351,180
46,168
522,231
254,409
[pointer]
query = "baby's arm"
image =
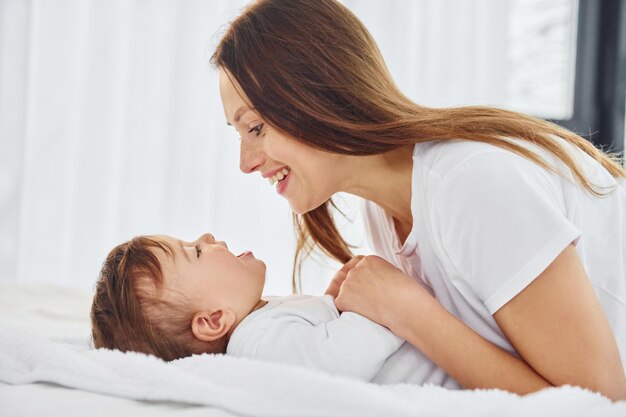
x,y
350,345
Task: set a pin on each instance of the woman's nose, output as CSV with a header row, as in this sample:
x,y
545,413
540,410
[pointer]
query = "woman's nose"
x,y
251,155
206,238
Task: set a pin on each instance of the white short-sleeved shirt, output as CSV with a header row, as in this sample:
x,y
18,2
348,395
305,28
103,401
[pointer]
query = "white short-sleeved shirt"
x,y
487,222
309,331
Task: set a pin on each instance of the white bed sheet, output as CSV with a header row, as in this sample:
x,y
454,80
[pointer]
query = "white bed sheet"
x,y
44,399
51,310
250,388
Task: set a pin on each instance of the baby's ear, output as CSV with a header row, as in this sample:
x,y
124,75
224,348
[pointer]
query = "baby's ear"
x,y
209,326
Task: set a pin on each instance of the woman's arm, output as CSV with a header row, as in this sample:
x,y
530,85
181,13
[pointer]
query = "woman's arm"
x,y
383,293
377,290
558,326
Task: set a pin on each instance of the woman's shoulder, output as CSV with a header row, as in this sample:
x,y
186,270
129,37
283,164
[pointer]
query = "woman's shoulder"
x,y
435,160
440,157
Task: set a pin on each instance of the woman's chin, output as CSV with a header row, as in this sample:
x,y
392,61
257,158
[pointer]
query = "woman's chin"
x,y
300,208
299,212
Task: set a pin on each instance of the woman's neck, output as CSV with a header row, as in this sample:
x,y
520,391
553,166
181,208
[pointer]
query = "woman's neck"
x,y
384,179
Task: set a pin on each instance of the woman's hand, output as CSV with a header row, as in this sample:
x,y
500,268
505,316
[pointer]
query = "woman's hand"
x,y
375,289
340,276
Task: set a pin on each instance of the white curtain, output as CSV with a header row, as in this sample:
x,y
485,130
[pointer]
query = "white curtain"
x,y
111,126
442,52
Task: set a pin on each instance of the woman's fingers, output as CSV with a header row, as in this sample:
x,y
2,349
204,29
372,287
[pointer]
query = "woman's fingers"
x,y
372,288
340,276
351,263
333,288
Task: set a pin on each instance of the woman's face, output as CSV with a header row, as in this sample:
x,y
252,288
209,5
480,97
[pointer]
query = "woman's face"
x,y
305,176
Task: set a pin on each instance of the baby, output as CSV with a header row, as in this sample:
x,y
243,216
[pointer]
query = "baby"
x,y
169,298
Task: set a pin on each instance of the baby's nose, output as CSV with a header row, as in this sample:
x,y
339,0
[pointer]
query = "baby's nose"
x,y
210,239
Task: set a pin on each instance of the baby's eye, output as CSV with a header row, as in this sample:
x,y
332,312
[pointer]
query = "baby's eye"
x,y
198,251
256,129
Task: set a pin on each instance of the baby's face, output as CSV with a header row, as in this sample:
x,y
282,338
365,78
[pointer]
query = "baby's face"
x,y
212,276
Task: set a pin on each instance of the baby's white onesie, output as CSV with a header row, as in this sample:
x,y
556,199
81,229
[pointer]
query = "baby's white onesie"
x,y
309,331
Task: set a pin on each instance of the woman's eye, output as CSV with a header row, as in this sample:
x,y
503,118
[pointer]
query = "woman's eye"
x,y
256,129
198,251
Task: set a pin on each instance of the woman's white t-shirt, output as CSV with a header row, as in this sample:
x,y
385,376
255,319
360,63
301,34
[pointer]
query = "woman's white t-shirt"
x,y
487,222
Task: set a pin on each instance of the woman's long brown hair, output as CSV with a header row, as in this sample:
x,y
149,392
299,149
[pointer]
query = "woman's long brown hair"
x,y
312,70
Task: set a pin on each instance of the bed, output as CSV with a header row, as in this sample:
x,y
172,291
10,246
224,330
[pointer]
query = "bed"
x,y
47,366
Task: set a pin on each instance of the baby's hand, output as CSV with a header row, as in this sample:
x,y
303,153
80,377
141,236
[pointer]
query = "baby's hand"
x,y
340,276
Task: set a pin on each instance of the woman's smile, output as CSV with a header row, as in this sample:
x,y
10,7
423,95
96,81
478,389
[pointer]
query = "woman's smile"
x,y
282,182
277,176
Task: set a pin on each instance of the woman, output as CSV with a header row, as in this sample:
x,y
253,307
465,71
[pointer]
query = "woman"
x,y
502,235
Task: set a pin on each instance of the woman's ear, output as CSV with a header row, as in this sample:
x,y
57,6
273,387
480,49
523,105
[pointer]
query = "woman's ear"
x,y
210,326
